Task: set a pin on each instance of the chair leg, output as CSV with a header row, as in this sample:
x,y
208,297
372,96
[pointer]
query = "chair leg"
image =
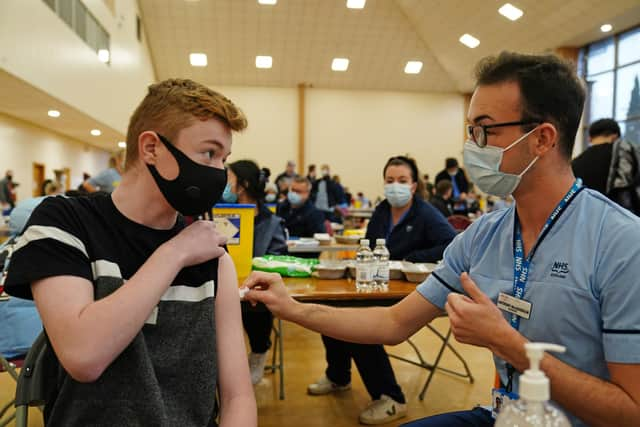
x,y
281,358
435,365
22,414
5,422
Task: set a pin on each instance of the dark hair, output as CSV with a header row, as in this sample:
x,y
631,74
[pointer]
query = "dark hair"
x,y
550,90
250,177
266,173
443,186
411,164
311,168
604,127
451,162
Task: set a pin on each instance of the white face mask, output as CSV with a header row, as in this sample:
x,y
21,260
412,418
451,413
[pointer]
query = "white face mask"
x,y
398,195
483,165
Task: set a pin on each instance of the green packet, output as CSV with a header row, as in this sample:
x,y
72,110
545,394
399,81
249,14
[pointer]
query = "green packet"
x,y
286,265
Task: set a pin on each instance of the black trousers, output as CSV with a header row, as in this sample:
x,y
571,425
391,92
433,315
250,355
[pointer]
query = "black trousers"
x,y
257,325
372,362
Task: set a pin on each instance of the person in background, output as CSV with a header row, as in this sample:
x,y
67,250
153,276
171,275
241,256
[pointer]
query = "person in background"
x,y
246,185
444,191
364,203
414,231
286,177
53,188
311,174
454,173
108,179
142,312
283,190
327,194
271,193
7,190
429,187
582,289
301,217
593,164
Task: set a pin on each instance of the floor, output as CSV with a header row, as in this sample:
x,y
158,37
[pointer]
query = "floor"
x,y
304,362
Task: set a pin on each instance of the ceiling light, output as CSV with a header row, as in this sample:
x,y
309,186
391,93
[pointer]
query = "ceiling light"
x,y
96,132
469,41
413,67
269,2
53,113
264,61
103,55
511,12
356,4
606,28
340,64
198,59
122,144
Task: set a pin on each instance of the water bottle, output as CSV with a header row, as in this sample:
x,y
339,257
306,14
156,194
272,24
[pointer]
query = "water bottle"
x,y
364,267
381,257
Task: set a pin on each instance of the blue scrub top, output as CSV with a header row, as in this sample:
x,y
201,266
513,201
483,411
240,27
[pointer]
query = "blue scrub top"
x,y
584,282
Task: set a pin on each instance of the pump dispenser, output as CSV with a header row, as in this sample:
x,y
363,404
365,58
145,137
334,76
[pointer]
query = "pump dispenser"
x,y
533,408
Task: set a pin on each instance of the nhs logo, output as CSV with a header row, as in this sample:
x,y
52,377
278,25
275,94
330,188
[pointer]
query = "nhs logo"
x,y
560,269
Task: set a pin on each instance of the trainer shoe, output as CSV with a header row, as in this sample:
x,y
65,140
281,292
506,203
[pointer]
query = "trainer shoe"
x,y
382,411
325,386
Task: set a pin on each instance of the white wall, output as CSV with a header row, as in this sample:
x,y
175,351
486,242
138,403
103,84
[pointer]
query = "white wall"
x,y
38,47
355,132
22,143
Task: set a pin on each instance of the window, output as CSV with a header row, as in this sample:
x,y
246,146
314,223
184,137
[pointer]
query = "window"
x,y
76,15
611,68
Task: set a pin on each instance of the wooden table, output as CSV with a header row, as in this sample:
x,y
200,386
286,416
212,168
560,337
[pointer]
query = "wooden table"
x,y
342,292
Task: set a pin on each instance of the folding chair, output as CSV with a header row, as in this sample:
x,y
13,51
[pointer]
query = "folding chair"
x,y
31,387
432,367
277,354
9,365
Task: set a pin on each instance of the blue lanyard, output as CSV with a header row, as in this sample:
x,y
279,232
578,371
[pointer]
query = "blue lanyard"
x,y
522,266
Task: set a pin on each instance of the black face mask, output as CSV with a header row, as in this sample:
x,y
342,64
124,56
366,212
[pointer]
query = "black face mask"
x,y
196,188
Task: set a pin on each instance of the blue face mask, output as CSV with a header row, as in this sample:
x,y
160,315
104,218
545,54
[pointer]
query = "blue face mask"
x,y
483,165
270,198
294,198
229,196
398,195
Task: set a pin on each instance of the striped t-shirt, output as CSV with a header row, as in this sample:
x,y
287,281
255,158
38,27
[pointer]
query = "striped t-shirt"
x,y
167,375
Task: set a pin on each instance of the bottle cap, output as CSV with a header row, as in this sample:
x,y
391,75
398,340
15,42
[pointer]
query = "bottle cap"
x,y
534,384
364,242
380,242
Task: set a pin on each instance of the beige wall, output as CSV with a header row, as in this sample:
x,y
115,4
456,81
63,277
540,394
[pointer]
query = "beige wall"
x,y
22,143
353,131
39,48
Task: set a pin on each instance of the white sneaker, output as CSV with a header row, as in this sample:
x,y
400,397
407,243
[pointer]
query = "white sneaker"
x,y
382,411
256,366
325,386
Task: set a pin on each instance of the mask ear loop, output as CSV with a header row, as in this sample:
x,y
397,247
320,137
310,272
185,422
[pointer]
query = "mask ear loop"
x,y
514,143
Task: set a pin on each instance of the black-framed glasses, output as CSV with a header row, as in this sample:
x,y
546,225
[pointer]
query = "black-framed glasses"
x,y
478,133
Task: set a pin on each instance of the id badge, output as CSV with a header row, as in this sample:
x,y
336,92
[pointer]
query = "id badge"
x,y
499,398
514,305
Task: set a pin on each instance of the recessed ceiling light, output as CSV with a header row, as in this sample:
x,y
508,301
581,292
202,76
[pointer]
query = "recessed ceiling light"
x,y
198,59
356,4
269,2
469,41
103,55
264,61
96,132
340,64
122,144
53,113
606,28
413,67
511,12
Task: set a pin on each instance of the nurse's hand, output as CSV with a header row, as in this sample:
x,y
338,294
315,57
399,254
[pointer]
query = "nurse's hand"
x,y
475,319
269,289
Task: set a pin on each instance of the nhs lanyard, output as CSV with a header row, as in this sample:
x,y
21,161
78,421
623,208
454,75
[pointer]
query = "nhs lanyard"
x,y
521,266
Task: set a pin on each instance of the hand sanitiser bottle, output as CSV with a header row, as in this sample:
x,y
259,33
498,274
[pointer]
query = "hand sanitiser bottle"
x,y
533,408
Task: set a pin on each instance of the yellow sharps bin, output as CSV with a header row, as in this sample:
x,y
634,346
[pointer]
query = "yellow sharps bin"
x,y
236,222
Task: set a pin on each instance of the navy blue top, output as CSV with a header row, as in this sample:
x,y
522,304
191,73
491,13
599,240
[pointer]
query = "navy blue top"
x,y
420,236
304,221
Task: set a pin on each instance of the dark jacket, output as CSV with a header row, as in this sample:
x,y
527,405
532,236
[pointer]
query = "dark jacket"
x,y
460,178
335,192
442,205
421,236
268,234
304,221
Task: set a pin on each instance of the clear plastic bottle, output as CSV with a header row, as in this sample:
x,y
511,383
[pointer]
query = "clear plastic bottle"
x,y
364,267
381,257
534,408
